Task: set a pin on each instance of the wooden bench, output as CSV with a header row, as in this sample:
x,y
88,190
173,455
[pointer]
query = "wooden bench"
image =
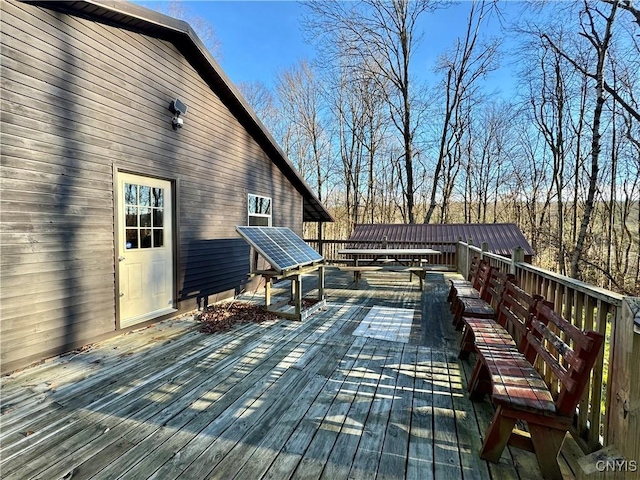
x,y
565,355
511,321
474,292
420,272
470,281
357,271
483,304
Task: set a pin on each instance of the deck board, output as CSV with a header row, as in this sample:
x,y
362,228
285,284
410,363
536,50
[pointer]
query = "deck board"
x,y
281,400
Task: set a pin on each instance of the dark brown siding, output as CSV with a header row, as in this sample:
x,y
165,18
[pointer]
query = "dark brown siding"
x,y
79,99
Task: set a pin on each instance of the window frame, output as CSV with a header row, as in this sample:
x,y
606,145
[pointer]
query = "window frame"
x,y
259,215
152,209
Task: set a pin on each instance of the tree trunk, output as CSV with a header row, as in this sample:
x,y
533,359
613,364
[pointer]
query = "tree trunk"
x,y
602,48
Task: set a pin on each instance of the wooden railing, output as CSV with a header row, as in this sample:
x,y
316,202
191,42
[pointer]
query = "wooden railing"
x,y
608,412
329,249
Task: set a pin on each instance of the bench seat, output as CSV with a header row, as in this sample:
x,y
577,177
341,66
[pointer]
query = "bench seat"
x,y
463,292
470,281
471,307
420,272
456,284
514,382
364,268
488,333
476,304
510,324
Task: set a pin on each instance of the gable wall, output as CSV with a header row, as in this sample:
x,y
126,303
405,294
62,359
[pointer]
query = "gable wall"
x,y
79,101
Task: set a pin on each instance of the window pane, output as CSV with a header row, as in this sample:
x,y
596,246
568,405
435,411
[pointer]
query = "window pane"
x,y
265,206
130,194
258,221
145,217
132,238
157,199
145,238
131,216
259,205
145,196
253,203
157,237
157,217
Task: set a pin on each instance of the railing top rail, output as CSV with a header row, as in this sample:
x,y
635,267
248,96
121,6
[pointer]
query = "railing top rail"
x,y
444,242
592,290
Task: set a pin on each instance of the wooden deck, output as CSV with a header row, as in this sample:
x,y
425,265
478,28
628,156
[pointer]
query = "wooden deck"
x,y
276,400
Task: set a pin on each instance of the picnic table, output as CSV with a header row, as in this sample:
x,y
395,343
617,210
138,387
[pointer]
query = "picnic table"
x,y
384,255
376,258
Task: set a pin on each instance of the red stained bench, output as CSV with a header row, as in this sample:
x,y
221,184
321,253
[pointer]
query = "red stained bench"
x,y
520,392
512,320
470,282
491,281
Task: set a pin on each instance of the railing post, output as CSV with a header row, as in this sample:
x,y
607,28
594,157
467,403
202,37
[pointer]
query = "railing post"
x,y
622,422
517,256
460,261
320,244
623,407
468,265
485,248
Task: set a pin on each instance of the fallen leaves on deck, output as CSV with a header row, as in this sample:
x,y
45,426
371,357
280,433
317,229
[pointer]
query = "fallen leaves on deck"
x,y
223,316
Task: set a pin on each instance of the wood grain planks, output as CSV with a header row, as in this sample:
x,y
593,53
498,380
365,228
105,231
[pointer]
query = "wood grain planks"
x,y
279,400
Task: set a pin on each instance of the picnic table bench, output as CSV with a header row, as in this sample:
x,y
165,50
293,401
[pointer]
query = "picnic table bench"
x,y
420,272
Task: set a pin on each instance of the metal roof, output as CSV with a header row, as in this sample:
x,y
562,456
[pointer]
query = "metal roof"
x,y
502,238
142,20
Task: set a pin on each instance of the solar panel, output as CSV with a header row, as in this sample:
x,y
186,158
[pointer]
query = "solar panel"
x,y
280,246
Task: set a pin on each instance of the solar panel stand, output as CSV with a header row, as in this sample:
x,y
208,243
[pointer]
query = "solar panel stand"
x,y
289,257
295,275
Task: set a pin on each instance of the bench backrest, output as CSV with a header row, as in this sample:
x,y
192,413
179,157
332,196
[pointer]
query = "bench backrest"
x,y
482,280
495,287
473,269
515,311
568,359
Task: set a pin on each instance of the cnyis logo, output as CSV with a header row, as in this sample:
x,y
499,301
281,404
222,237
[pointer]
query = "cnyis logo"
x,y
617,465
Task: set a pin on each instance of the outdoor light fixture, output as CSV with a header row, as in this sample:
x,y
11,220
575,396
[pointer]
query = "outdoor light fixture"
x,y
177,108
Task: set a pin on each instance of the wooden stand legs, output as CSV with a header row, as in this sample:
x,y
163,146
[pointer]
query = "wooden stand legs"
x,y
497,436
545,442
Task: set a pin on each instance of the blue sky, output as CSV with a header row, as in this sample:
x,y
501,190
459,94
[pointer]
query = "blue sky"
x,y
260,38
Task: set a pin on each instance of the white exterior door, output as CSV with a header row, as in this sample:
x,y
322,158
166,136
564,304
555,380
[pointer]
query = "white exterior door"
x,y
145,262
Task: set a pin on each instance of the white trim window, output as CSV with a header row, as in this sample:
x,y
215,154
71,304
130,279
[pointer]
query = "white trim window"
x,y
258,211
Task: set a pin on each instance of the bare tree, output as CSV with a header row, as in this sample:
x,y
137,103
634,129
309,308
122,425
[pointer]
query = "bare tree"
x,y
550,108
300,95
261,100
601,42
200,25
382,34
469,62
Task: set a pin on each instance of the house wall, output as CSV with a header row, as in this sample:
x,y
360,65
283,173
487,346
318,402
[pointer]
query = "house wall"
x,y
81,100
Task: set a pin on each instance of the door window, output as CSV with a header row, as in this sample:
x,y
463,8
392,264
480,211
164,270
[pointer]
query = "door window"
x,y
144,216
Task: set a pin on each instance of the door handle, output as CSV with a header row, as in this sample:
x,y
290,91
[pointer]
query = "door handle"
x,y
120,259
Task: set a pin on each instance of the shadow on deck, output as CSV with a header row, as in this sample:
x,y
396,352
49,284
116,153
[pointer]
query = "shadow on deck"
x,y
331,397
